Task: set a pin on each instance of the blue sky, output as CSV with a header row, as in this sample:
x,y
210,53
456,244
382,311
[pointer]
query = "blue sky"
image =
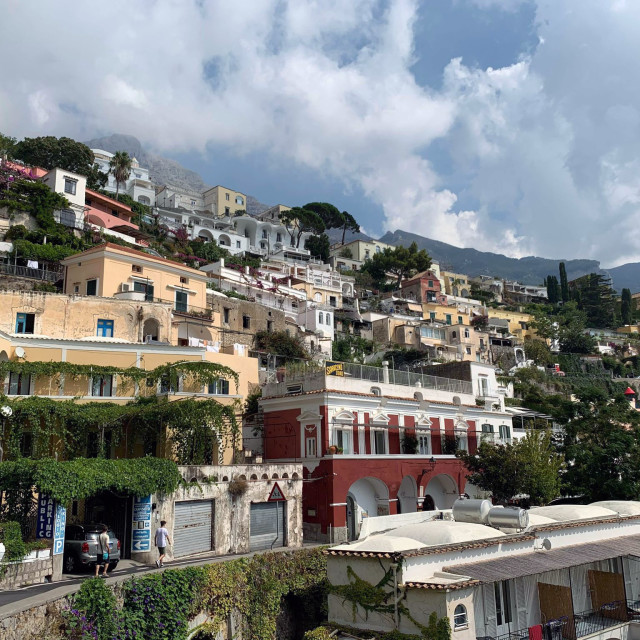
x,y
504,125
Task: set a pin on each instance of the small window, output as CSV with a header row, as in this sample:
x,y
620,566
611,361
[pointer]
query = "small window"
x,y
238,244
468,351
193,203
269,326
136,268
102,386
278,237
239,200
76,288
70,186
26,444
453,334
227,210
219,387
376,391
226,196
19,384
459,319
320,318
246,322
333,301
311,447
460,617
105,328
466,333
225,315
92,287
184,280
432,315
505,432
182,301
447,318
25,322
379,442
430,284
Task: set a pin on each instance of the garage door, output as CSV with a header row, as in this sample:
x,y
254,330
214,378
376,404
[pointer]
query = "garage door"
x,y
268,525
192,529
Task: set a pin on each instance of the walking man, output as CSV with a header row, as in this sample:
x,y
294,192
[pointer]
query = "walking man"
x,y
162,538
103,552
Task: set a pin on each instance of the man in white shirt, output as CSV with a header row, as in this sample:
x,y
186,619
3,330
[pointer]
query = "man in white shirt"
x,y
161,540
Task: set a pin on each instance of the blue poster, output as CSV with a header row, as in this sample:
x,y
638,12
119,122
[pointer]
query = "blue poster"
x,y
58,529
141,524
44,528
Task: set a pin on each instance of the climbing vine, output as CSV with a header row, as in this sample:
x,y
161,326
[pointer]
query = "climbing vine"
x,y
160,606
375,598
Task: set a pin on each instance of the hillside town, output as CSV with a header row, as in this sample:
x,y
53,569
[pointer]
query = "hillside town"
x,y
463,449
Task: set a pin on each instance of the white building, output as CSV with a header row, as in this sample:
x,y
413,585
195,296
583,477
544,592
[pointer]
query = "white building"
x,y
572,571
138,186
73,187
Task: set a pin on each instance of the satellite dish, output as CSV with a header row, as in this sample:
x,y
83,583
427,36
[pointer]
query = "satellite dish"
x,y
546,544
19,352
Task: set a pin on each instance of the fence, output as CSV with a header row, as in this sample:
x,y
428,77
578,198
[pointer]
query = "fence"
x,y
29,272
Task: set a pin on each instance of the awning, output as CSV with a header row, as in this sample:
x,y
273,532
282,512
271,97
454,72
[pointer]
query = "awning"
x,y
528,564
412,306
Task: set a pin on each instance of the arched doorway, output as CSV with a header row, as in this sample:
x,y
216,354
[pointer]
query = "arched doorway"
x,y
443,491
368,498
428,504
408,495
151,330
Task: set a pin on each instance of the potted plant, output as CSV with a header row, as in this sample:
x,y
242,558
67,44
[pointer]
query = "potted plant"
x,y
332,450
409,444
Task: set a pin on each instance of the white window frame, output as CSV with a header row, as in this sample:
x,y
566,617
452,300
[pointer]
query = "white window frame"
x,y
424,436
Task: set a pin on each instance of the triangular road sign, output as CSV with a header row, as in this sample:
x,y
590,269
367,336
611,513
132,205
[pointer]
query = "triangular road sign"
x,y
276,494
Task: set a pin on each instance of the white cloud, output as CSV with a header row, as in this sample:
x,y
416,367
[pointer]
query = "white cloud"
x,y
547,147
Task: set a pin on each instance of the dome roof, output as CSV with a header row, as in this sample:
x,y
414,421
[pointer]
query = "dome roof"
x,y
381,544
569,512
437,532
623,507
535,519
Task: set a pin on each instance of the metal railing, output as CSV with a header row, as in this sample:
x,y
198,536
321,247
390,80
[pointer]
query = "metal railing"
x,y
29,272
581,624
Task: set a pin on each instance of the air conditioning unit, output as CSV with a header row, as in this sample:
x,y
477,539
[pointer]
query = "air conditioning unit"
x,y
124,287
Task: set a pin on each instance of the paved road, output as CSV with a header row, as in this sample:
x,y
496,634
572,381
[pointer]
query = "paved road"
x,y
12,602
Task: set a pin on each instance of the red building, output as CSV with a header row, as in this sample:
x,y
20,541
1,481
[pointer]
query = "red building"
x,y
375,441
424,287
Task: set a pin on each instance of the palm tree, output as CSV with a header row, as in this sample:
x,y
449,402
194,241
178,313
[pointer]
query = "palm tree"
x,y
120,167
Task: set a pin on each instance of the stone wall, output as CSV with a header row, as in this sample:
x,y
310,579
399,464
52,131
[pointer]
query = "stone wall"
x,y
39,622
22,574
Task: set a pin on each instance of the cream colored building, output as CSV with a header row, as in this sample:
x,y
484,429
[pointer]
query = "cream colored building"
x,y
224,202
456,284
361,250
519,323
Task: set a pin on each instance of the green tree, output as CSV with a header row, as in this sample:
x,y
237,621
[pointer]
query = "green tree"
x,y
538,351
50,152
281,344
602,447
399,262
626,307
529,466
572,331
564,283
96,179
299,221
208,251
595,296
120,167
318,246
553,289
7,146
333,218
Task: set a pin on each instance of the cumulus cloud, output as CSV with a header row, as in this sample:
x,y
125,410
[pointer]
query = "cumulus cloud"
x,y
546,147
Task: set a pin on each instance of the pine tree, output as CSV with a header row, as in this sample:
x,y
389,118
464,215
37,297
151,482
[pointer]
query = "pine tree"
x,y
564,283
625,307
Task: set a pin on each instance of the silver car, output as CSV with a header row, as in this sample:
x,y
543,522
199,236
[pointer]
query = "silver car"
x,y
81,547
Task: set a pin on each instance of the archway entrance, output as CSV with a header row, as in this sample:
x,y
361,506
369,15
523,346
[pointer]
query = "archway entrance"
x,y
151,330
443,491
408,495
366,498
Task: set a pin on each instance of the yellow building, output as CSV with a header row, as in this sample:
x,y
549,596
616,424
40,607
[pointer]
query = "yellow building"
x,y
446,314
113,271
456,284
224,202
361,250
519,322
121,387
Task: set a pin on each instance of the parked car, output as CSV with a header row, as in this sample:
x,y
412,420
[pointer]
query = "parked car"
x,y
81,547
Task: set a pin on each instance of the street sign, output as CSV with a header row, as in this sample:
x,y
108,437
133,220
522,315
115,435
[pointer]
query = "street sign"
x,y
276,494
141,524
46,515
58,529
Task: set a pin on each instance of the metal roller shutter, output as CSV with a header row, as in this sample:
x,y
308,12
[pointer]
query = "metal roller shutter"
x,y
192,527
268,521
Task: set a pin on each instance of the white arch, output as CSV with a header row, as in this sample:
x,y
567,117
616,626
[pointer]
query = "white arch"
x,y
370,497
224,240
205,235
408,495
151,328
443,489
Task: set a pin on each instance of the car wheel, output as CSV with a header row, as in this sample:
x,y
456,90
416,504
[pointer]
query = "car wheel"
x,y
112,566
70,564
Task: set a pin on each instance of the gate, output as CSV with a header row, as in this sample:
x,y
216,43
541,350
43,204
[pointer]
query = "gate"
x,y
268,525
193,527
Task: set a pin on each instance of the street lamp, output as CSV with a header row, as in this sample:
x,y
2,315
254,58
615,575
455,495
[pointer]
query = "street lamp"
x,y
5,412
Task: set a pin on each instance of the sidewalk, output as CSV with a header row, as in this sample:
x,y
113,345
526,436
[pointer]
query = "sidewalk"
x,y
14,602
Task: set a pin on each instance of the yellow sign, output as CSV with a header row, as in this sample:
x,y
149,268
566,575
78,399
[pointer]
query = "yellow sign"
x,y
334,369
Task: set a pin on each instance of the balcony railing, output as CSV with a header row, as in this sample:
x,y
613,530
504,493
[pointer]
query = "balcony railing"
x,y
29,272
582,624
